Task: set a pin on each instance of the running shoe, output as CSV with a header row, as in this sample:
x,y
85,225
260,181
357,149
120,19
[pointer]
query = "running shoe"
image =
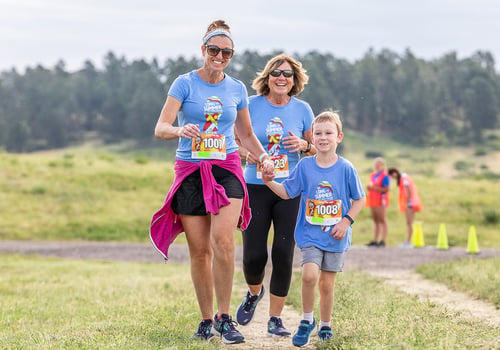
x,y
204,331
325,333
371,244
275,328
225,327
301,338
246,310
381,244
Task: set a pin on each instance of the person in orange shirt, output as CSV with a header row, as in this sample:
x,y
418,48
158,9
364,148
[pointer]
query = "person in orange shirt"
x,y
378,200
409,200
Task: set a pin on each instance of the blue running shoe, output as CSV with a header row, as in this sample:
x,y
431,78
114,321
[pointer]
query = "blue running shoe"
x,y
246,310
275,328
225,328
204,331
301,338
325,333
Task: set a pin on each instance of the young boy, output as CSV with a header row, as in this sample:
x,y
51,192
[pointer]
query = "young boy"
x,y
332,197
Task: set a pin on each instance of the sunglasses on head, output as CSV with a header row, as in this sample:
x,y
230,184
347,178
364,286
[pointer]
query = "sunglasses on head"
x,y
286,73
213,50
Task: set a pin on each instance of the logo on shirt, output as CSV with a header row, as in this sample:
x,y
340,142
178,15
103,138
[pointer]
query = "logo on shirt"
x,y
212,110
274,133
324,191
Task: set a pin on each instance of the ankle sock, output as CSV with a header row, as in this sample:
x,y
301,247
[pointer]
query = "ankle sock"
x,y
324,324
308,316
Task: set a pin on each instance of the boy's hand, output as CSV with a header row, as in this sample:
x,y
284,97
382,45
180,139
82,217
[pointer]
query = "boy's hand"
x,y
267,177
267,170
340,229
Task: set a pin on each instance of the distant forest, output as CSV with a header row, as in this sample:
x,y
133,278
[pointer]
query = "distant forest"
x,y
444,101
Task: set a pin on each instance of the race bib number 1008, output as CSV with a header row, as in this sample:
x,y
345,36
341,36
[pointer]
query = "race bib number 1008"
x,y
323,212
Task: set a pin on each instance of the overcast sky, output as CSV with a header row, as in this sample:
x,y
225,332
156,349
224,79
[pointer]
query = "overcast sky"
x,y
44,31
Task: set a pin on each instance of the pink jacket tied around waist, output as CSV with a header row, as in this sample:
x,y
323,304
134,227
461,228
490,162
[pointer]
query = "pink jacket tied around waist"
x,y
165,224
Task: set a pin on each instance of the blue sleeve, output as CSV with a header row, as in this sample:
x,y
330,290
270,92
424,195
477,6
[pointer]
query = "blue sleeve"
x,y
386,182
244,98
308,118
356,190
293,184
179,89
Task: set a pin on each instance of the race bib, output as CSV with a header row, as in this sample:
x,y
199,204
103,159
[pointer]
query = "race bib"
x,y
209,146
323,212
280,166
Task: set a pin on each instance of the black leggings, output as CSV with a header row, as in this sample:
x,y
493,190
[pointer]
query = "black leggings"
x,y
267,207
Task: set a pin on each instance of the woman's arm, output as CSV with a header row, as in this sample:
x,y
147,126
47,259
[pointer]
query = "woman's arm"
x,y
164,128
249,141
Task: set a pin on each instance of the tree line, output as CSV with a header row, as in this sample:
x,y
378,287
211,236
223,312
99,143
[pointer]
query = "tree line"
x,y
447,100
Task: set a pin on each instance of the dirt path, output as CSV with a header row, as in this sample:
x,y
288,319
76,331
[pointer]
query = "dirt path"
x,y
395,265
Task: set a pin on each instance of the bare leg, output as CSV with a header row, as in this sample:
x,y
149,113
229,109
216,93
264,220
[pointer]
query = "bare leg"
x,y
410,217
197,230
326,294
376,229
309,279
223,226
255,288
276,305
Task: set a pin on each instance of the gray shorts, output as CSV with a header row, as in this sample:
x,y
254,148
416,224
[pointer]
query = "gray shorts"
x,y
327,261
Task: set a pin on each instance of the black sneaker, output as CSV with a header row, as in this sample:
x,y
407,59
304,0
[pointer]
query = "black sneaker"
x,y
225,328
372,244
381,244
325,333
275,328
246,310
204,331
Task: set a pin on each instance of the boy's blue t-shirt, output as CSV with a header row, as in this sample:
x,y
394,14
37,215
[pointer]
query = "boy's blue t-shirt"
x,y
212,106
340,181
271,123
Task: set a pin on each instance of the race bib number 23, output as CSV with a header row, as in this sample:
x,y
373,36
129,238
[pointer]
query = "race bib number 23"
x,y
280,166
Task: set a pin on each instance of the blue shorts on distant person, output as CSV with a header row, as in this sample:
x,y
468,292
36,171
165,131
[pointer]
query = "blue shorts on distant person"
x,y
327,261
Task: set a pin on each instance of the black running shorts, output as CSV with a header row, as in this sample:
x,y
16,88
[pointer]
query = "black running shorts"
x,y
188,199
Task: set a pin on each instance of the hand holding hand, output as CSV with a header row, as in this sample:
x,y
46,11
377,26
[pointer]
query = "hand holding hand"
x,y
268,169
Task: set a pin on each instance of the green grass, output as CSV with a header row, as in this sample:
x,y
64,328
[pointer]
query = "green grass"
x,y
478,277
370,315
50,303
110,193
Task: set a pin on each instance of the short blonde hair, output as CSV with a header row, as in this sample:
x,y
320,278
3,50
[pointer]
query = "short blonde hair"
x,y
328,116
300,78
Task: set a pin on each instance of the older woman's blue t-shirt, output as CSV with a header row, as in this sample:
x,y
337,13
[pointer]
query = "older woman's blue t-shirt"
x,y
271,124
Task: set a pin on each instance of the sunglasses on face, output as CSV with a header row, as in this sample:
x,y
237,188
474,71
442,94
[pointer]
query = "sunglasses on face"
x,y
213,50
286,73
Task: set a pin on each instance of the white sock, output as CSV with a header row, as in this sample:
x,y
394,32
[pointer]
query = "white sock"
x,y
308,316
324,324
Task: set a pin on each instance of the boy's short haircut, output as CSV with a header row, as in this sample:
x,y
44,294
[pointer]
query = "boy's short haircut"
x,y
328,116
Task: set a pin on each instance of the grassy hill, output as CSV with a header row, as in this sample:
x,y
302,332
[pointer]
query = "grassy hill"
x,y
96,192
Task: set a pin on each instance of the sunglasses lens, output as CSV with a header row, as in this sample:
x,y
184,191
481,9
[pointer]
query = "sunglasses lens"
x,y
227,53
286,73
275,73
212,50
